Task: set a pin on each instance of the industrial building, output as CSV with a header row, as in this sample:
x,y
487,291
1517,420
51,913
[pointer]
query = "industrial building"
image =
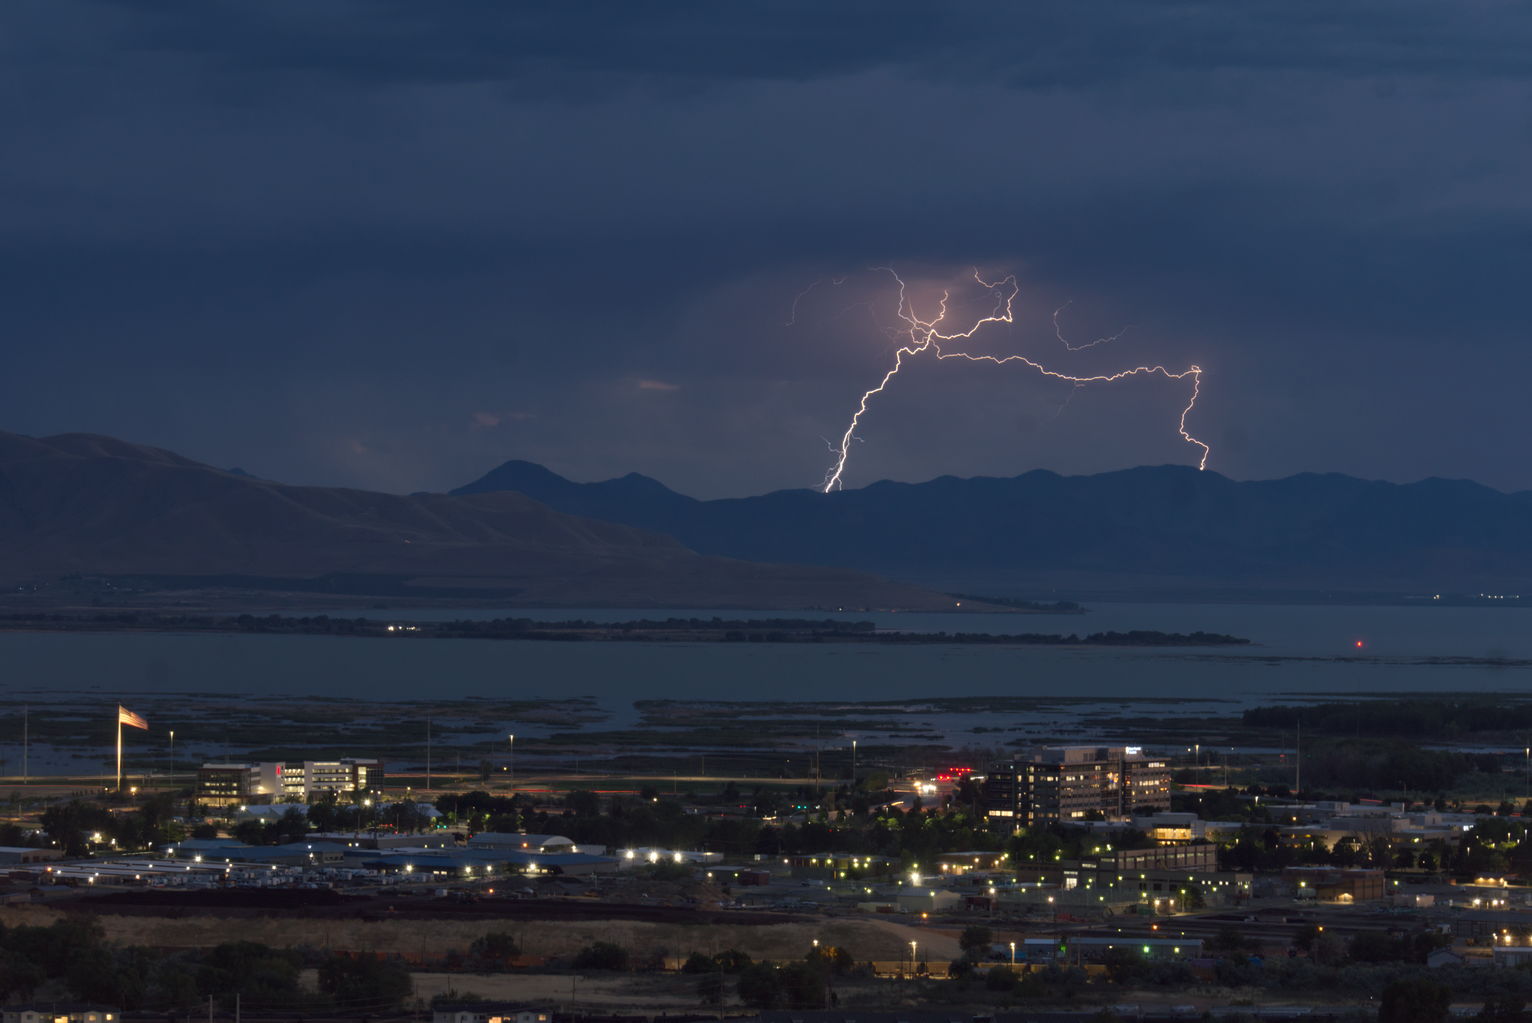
x,y
1073,783
516,840
287,782
25,854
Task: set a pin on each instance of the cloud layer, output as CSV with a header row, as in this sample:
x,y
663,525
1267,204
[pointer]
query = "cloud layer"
x,y
391,244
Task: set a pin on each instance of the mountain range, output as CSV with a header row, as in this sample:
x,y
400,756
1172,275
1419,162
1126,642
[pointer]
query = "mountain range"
x,y
133,519
1146,532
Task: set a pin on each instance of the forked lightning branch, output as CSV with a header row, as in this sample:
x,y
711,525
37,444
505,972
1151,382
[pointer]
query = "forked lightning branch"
x,y
936,338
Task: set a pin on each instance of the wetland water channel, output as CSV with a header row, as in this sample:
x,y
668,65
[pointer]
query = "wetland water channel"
x,y
1297,653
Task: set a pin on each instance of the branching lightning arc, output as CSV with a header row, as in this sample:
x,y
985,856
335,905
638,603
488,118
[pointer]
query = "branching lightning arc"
x,y
929,336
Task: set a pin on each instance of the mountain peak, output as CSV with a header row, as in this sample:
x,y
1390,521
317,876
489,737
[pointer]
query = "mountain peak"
x,y
516,474
1141,530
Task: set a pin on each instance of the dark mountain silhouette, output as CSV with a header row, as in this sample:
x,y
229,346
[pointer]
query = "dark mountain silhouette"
x,y
80,505
1164,530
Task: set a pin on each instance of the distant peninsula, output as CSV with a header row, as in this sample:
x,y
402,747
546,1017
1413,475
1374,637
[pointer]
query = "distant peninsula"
x,y
646,630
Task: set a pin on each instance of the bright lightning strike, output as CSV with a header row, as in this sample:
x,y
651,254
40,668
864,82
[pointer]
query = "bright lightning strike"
x,y
928,336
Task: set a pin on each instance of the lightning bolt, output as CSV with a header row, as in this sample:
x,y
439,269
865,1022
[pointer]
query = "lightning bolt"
x,y
792,317
922,336
1058,332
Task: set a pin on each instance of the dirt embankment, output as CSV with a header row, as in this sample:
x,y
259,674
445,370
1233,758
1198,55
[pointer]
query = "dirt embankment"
x,y
423,938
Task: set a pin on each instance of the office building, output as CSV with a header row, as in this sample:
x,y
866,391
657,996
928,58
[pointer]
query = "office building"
x,y
287,782
1072,783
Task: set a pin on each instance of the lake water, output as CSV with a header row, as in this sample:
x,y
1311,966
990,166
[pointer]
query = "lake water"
x,y
1297,649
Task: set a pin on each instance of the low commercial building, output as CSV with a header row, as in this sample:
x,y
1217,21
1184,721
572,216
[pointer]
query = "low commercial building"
x,y
1090,949
742,875
839,866
292,854
926,900
968,862
489,1012
1201,858
61,1012
1334,884
387,840
1512,955
470,863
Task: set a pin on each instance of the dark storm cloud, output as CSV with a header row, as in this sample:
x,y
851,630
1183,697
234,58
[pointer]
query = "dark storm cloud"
x,y
394,243
1037,44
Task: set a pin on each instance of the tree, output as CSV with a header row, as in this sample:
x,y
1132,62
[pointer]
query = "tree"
x,y
602,955
806,985
19,977
1228,939
1000,978
975,941
757,987
699,963
1415,1000
1505,1008
77,825
583,802
732,960
250,969
251,831
292,826
710,989
323,813
369,981
493,949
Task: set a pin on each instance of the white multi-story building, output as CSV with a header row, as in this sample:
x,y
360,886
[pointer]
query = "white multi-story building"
x,y
286,782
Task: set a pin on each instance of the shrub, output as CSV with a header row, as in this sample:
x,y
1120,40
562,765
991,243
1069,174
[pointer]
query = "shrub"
x,y
1000,978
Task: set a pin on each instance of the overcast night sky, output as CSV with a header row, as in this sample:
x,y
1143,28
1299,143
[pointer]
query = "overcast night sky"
x,y
390,244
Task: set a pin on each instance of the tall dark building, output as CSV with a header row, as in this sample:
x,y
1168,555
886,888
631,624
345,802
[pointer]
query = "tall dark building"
x,y
1075,783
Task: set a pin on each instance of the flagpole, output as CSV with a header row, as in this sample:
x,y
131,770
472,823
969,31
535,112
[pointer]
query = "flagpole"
x,y
119,751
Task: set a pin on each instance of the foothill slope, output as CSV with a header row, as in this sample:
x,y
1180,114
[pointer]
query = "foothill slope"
x,y
147,519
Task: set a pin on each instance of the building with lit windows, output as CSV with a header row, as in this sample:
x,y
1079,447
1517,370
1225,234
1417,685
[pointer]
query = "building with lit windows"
x,y
286,782
489,1012
1073,783
60,1012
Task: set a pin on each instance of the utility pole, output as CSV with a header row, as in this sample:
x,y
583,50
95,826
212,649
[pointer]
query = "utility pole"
x,y
816,760
1298,759
26,731
428,754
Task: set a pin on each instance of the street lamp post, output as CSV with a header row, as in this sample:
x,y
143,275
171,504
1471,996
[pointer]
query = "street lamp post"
x,y
1013,953
172,758
913,945
512,740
